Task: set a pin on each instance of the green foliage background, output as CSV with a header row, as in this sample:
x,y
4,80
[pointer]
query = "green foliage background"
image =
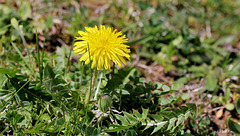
x,y
43,85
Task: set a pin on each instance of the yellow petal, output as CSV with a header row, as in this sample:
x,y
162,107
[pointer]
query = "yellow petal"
x,y
94,63
105,45
84,57
107,62
123,60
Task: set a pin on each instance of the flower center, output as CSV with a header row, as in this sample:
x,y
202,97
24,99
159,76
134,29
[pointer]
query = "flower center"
x,y
105,42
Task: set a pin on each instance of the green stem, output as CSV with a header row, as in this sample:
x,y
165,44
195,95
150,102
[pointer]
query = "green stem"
x,y
112,75
98,86
89,93
113,68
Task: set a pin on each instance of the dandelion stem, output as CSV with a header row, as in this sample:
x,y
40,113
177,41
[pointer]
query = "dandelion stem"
x,y
89,93
95,97
113,68
94,79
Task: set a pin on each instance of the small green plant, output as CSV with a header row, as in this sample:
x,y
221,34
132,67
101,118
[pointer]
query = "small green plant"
x,y
233,126
199,126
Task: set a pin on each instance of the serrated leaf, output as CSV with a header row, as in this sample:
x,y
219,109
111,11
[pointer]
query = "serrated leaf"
x,y
167,114
233,126
137,114
180,119
54,84
122,119
147,127
123,75
117,128
144,122
171,123
178,112
144,113
11,73
130,118
157,118
3,79
5,94
158,85
131,132
48,72
159,126
164,101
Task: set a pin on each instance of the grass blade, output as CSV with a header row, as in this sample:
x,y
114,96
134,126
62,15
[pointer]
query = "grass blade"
x,y
38,59
68,62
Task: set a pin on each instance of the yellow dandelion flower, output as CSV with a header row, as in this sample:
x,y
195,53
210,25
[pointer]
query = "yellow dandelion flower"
x,y
105,45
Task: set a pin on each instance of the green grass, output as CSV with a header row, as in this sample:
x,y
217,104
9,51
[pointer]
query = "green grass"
x,y
44,88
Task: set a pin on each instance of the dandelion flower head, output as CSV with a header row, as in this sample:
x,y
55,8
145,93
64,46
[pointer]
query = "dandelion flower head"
x,y
104,45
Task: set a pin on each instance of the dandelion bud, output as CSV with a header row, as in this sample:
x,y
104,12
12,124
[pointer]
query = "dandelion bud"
x,y
105,102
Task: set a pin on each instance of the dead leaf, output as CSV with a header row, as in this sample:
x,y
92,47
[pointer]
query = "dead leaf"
x,y
219,113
